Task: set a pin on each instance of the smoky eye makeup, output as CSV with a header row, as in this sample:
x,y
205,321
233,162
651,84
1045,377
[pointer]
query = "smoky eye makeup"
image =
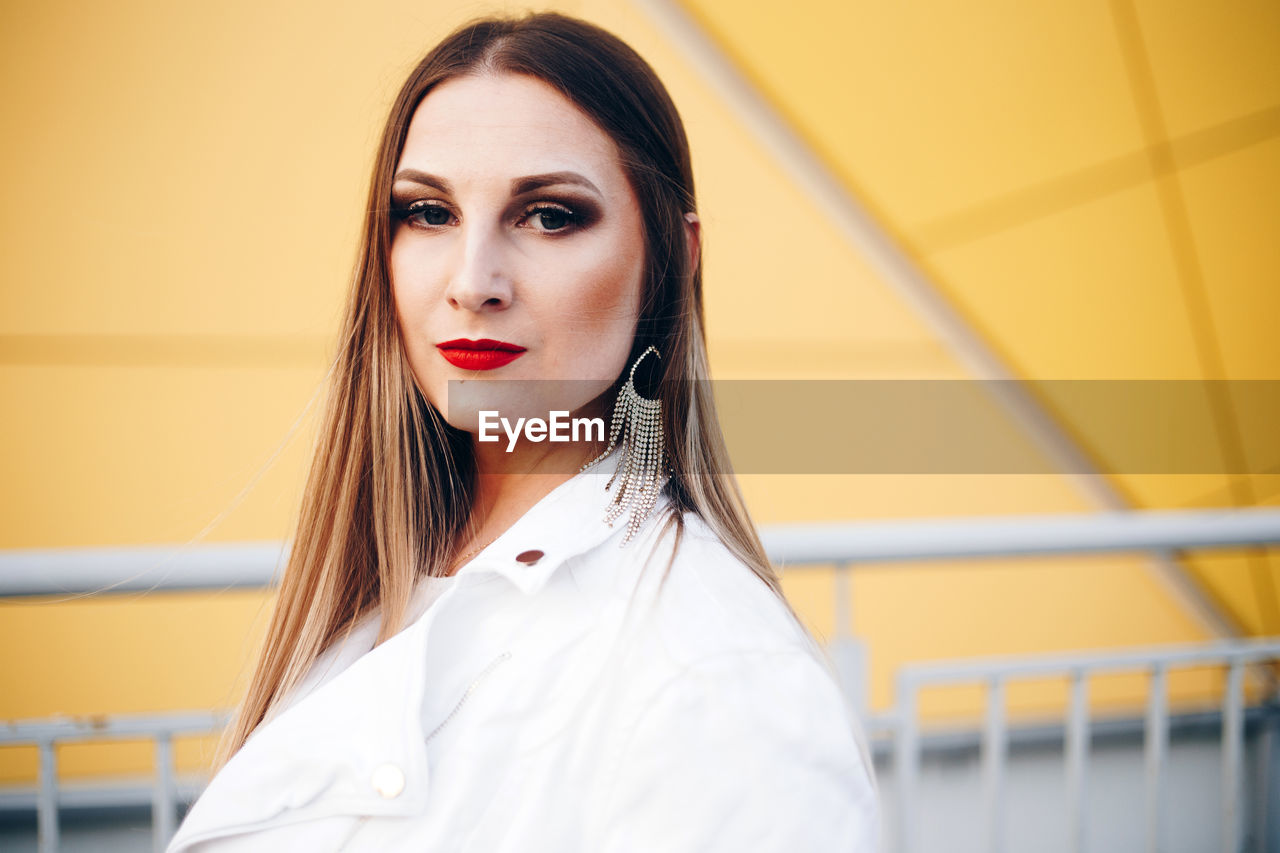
x,y
584,212
402,199
578,210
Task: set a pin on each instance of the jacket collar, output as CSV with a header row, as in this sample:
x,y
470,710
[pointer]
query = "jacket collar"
x,y
567,522
319,754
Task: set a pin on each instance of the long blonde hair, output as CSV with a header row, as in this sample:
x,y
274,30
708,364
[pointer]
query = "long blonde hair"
x,y
391,482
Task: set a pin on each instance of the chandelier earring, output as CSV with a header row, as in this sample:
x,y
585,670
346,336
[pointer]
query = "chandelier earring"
x,y
638,421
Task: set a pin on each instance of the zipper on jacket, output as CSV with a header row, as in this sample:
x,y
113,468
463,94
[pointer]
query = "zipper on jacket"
x,y
346,842
499,659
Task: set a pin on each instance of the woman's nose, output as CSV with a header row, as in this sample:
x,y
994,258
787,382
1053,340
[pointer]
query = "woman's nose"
x,y
480,279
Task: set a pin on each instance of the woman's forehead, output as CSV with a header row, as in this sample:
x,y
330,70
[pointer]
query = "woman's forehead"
x,y
506,125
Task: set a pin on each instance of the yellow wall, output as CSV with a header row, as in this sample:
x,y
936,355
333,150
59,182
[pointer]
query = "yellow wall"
x,y
183,188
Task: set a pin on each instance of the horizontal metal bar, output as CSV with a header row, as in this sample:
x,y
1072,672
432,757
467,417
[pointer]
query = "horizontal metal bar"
x,y
139,568
1224,653
254,565
111,727
99,793
963,742
965,538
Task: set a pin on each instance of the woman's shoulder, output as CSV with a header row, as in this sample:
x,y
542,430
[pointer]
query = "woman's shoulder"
x,y
723,684
358,638
707,601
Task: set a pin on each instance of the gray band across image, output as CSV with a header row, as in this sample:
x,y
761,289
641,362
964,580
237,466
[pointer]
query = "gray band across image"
x,y
940,426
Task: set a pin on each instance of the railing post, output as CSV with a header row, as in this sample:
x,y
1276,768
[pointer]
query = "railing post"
x,y
842,599
1077,749
994,754
906,757
1157,736
47,799
163,796
1269,815
1232,749
848,652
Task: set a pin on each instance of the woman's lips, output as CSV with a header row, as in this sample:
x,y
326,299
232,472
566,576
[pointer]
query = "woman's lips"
x,y
484,354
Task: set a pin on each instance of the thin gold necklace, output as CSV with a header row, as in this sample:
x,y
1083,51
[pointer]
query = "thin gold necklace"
x,y
462,561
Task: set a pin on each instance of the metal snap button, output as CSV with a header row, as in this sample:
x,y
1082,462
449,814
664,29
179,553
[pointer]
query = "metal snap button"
x,y
529,557
388,780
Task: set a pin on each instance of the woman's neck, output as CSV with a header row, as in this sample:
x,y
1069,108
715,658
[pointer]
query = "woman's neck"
x,y
510,479
508,484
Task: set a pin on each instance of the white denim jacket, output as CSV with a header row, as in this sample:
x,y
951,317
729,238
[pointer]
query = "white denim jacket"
x,y
560,704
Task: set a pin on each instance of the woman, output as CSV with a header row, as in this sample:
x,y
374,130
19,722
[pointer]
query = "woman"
x,y
467,653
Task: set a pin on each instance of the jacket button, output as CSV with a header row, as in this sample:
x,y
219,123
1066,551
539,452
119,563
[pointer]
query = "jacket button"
x,y
388,780
529,557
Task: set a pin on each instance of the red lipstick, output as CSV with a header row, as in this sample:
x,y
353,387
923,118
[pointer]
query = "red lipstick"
x,y
484,354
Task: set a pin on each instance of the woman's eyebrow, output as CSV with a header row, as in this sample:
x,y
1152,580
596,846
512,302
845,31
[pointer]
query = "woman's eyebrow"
x,y
534,182
518,185
427,180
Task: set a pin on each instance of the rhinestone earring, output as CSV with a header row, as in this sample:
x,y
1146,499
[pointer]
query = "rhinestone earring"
x,y
642,458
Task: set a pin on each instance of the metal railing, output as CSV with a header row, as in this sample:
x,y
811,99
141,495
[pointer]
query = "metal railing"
x,y
76,571
160,729
846,545
995,676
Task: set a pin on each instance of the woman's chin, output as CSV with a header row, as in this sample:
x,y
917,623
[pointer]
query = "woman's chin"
x,y
465,401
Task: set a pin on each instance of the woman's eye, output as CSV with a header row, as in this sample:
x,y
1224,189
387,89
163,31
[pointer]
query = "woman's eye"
x,y
430,214
434,215
548,218
553,217
424,214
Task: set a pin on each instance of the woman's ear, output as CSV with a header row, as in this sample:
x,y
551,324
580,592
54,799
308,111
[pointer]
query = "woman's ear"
x,y
694,226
